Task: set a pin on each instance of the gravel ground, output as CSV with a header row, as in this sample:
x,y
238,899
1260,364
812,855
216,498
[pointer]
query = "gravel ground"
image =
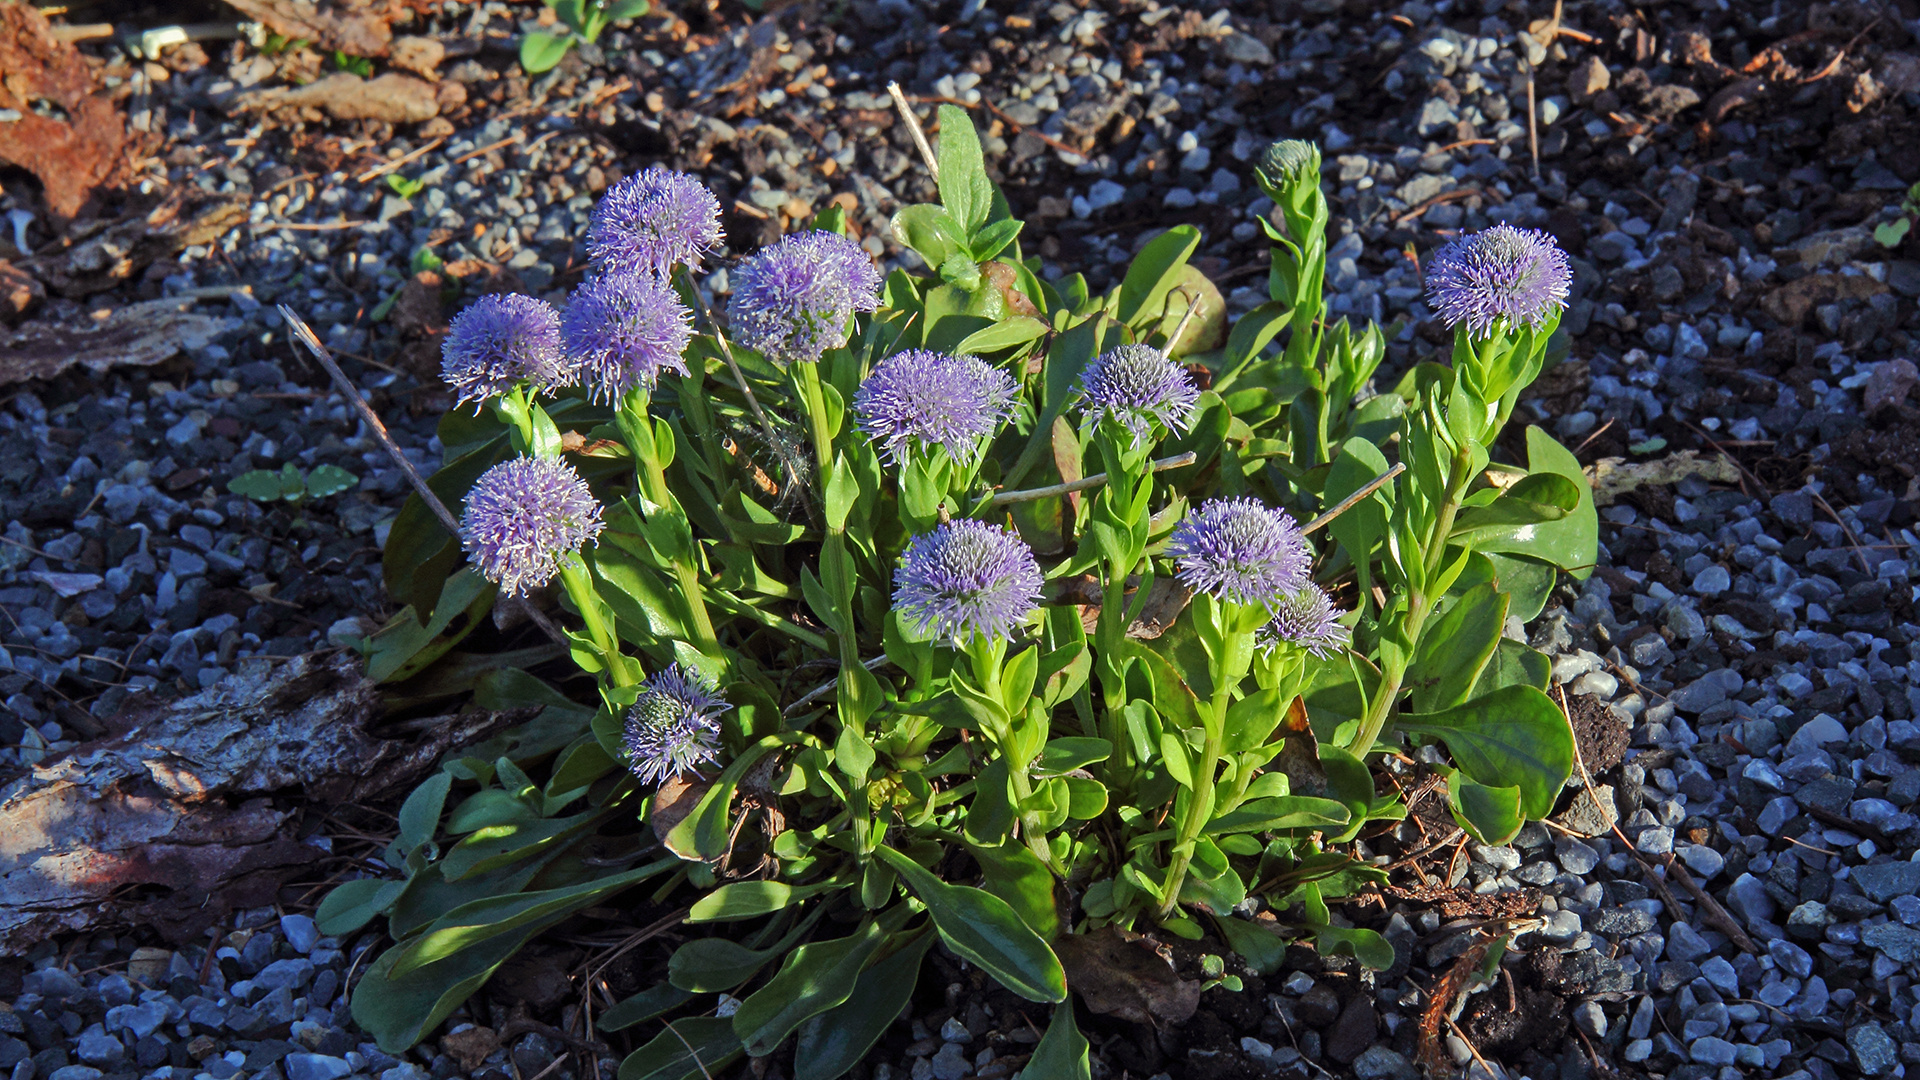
x,y
1738,667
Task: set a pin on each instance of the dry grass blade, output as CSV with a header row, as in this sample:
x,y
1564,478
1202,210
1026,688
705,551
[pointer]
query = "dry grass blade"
x,y
1440,998
691,1052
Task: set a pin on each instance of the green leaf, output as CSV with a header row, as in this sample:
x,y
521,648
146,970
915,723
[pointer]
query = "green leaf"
x,y
399,1010
1005,334
1528,581
353,904
1513,737
1252,719
1570,543
654,1001
626,9
420,815
1283,812
1074,752
1251,333
1143,292
993,239
327,480
470,924
1491,814
964,188
1455,648
1017,875
703,833
1062,1053
692,1048
542,52
1367,946
833,1042
1173,755
982,928
259,485
816,977
1890,233
1513,664
748,899
1263,949
842,489
930,231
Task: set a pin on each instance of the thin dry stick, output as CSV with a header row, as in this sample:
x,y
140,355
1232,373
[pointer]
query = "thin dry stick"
x,y
1714,914
399,162
1005,498
304,335
1853,540
825,688
1533,124
691,1052
1350,501
1193,308
913,125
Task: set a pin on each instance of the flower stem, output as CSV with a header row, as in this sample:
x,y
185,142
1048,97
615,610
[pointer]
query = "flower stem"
x,y
1419,607
573,577
1200,803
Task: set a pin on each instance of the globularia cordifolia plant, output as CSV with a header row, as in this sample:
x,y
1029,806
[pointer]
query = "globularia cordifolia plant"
x,y
965,606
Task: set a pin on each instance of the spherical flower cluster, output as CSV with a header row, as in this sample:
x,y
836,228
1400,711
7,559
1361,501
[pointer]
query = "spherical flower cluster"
x,y
965,578
924,398
1242,552
674,726
523,517
1501,276
499,341
622,329
652,221
1309,620
792,300
1136,385
1288,161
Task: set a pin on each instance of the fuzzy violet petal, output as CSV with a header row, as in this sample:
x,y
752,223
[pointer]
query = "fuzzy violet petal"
x,y
674,726
923,398
1136,385
622,330
1308,620
499,341
792,301
967,577
651,222
1499,276
1241,551
523,517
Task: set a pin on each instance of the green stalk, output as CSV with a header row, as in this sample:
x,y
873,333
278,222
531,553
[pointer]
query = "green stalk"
x,y
1419,607
573,577
806,379
1198,809
631,417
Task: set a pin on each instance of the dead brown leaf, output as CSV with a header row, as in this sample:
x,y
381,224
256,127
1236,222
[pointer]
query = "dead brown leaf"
x,y
396,99
1733,95
121,250
470,1047
420,55
171,820
672,802
20,292
70,157
136,335
1127,975
1793,302
347,27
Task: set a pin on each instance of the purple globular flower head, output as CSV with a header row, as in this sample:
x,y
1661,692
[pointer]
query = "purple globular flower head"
x,y
524,517
792,300
1309,620
967,577
924,398
500,340
1136,385
652,221
622,329
1499,276
674,726
1241,552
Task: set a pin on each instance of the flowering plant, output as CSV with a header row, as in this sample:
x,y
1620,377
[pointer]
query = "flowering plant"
x,y
966,607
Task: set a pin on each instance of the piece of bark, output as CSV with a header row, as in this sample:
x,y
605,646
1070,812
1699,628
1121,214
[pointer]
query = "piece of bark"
x,y
1126,975
177,817
343,27
70,157
396,99
123,249
20,293
137,335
